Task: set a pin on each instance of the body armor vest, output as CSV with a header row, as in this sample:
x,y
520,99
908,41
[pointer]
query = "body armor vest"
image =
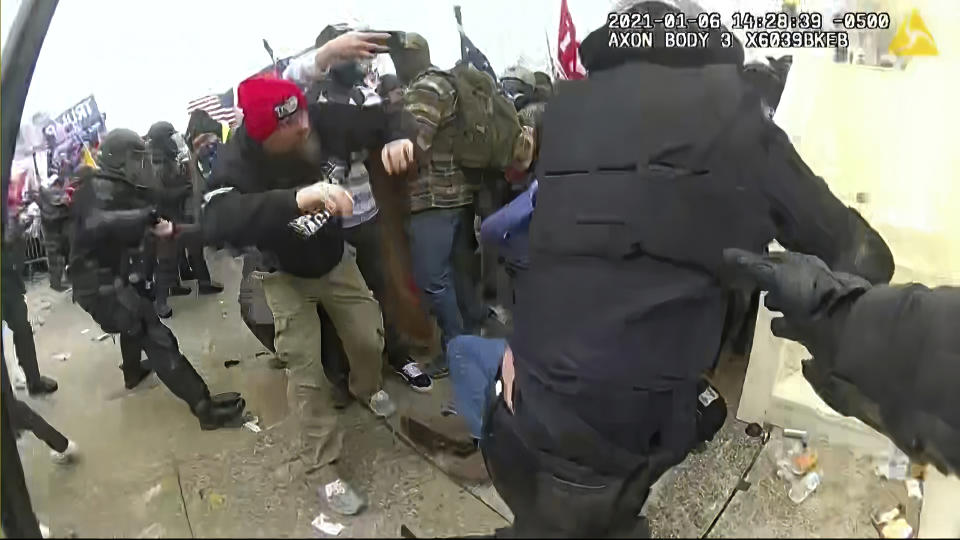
x,y
642,186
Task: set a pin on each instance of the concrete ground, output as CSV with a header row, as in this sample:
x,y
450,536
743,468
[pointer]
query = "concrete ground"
x,y
146,470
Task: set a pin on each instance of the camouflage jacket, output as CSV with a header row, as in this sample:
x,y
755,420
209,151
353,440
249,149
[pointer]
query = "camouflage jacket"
x,y
432,101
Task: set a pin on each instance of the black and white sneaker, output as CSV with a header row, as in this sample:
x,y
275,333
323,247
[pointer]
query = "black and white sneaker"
x,y
417,379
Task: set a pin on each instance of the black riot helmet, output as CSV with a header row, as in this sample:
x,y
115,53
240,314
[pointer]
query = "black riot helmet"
x,y
124,156
161,141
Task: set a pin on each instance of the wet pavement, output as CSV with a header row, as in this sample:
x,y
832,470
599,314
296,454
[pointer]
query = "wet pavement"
x,y
146,470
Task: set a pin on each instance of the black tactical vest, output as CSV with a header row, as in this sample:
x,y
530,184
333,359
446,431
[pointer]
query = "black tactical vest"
x,y
643,183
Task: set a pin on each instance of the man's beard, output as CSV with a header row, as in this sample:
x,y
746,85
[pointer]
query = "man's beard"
x,y
306,155
310,150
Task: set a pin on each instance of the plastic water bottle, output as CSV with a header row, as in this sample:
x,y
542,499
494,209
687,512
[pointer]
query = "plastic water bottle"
x,y
802,488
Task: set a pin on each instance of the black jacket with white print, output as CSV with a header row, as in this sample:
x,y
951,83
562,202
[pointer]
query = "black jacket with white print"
x,y
251,198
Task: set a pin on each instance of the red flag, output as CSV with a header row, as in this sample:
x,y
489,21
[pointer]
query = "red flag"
x,y
568,54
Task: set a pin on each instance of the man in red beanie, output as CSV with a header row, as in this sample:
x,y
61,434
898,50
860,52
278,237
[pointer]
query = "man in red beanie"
x,y
269,191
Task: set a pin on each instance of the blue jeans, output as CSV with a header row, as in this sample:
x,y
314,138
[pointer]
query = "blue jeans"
x,y
474,364
441,246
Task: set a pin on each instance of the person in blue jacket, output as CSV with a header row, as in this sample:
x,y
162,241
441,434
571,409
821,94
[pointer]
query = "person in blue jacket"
x,y
475,362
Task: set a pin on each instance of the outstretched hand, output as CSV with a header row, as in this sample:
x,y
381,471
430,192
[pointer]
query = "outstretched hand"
x,y
352,46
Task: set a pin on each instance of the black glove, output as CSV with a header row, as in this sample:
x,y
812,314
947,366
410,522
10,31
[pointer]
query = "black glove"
x,y
813,299
815,302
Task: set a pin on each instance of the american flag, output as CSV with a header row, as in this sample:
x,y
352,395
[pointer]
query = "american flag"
x,y
219,107
469,52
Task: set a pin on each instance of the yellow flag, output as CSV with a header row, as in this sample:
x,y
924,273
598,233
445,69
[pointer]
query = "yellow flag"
x,y
913,38
87,158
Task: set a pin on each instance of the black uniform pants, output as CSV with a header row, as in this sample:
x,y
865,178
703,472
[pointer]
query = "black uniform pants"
x,y
126,312
191,261
25,418
16,316
57,245
167,271
602,492
365,238
16,511
160,266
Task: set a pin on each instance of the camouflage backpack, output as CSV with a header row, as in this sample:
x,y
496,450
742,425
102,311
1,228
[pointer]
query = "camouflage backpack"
x,y
487,126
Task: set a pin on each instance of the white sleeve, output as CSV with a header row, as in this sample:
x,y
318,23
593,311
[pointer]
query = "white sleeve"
x,y
303,69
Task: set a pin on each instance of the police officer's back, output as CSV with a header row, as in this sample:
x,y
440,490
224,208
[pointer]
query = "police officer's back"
x,y
631,220
648,169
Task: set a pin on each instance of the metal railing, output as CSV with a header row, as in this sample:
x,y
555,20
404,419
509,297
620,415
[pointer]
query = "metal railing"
x,y
34,255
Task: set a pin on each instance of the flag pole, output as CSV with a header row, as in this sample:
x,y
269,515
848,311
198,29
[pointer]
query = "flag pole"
x,y
456,13
553,66
269,50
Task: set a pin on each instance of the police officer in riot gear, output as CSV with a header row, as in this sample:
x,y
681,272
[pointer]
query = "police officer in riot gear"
x,y
171,191
182,257
648,170
112,214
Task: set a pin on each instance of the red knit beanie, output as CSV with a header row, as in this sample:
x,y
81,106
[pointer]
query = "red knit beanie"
x,y
265,101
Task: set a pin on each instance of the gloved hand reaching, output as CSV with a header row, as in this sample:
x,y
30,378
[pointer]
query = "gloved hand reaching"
x,y
815,303
811,297
885,355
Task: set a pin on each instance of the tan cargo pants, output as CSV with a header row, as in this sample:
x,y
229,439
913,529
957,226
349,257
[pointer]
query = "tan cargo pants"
x,y
356,315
